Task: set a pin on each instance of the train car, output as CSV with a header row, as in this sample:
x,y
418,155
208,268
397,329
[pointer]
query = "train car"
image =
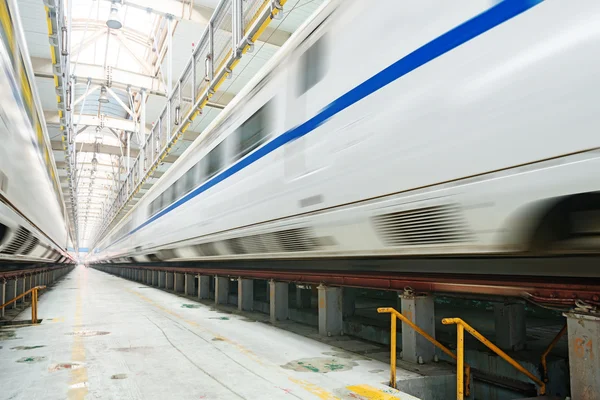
x,y
394,129
32,212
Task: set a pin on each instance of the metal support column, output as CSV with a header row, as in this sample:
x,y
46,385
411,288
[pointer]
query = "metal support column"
x,y
510,325
245,294
331,321
221,290
203,287
584,355
278,306
419,310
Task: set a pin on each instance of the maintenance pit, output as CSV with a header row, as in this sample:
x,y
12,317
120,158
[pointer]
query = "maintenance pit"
x,y
523,331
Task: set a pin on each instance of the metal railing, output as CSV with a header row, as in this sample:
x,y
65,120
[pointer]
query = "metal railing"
x,y
548,350
231,32
34,302
461,366
58,25
461,326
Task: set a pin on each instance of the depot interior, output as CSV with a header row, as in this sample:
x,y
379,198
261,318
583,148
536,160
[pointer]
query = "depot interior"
x,y
129,241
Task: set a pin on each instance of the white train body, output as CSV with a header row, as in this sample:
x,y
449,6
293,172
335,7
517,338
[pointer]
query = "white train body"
x,y
32,216
396,128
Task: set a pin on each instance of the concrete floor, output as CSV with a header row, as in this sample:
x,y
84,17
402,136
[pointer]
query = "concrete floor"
x,y
104,337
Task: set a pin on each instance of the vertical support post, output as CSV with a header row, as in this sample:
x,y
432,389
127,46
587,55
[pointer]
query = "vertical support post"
x,y
245,294
179,285
142,130
190,286
169,79
3,297
23,289
170,283
203,287
331,322
221,290
583,332
278,307
460,361
419,310
211,52
237,29
34,307
128,160
393,335
14,293
510,326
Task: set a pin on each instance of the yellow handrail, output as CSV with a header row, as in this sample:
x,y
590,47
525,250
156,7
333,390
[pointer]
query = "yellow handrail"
x,y
549,349
395,314
34,301
460,327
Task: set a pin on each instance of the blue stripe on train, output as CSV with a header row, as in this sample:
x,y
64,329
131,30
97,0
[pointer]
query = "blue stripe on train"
x,y
470,29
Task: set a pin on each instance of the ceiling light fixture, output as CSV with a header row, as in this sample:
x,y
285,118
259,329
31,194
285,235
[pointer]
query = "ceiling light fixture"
x,y
103,97
114,21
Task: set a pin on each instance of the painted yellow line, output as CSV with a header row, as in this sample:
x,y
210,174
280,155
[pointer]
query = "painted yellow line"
x,y
78,385
371,393
314,389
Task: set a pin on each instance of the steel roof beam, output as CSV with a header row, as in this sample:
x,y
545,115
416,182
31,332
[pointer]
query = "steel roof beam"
x,y
93,120
121,79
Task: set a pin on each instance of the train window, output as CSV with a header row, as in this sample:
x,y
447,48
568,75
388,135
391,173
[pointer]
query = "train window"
x,y
162,202
189,179
312,66
171,194
253,132
199,174
180,187
215,160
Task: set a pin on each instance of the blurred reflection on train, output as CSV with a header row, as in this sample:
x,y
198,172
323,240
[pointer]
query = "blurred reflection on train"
x,y
32,215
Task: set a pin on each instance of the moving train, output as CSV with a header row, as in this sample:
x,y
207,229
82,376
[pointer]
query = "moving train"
x,y
419,128
32,212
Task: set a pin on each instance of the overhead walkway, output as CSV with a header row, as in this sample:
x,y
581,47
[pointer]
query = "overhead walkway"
x,y
106,337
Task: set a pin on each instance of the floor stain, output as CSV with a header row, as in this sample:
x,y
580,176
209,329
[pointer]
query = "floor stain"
x,y
376,371
345,355
30,360
8,335
190,306
221,318
140,349
27,347
320,364
119,376
86,333
217,339
61,366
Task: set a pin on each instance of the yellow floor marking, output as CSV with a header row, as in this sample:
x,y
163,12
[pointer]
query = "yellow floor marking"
x,y
314,389
78,387
371,393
